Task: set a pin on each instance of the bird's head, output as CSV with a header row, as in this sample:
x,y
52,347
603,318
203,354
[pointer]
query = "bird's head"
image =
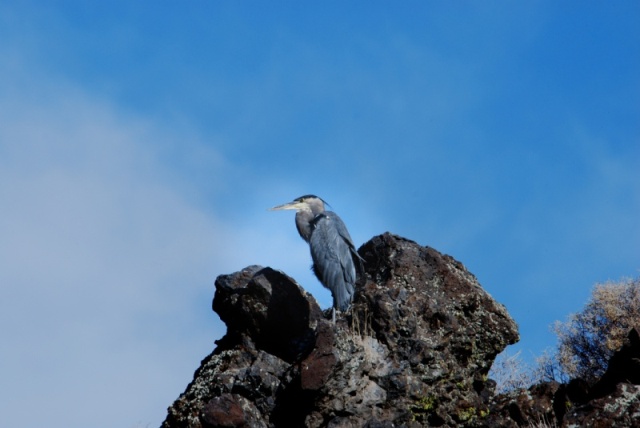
x,y
311,203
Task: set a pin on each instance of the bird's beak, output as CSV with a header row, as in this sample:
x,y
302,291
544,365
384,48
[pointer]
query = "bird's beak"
x,y
289,206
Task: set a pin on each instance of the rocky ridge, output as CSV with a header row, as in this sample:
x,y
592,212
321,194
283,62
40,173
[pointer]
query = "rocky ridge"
x,y
415,350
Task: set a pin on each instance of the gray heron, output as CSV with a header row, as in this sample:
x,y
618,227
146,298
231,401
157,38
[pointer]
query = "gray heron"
x,y
332,251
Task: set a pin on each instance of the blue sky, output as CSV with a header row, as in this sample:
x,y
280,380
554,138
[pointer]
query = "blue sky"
x,y
141,144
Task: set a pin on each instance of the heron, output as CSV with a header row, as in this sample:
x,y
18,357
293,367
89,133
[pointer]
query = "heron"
x,y
332,251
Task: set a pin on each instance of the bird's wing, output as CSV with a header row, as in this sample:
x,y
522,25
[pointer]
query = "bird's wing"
x,y
344,233
333,262
352,256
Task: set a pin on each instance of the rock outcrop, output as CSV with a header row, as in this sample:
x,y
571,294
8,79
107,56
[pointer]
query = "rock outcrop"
x,y
612,401
414,350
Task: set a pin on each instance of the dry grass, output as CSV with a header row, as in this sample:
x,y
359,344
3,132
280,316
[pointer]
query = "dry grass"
x,y
543,424
361,312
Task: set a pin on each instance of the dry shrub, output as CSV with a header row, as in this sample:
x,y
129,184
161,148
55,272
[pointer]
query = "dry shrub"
x,y
586,341
510,372
589,338
548,368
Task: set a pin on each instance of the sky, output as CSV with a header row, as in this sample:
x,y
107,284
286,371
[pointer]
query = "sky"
x,y
141,144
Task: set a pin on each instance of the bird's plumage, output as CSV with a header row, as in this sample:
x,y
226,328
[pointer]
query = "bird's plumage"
x,y
333,252
334,256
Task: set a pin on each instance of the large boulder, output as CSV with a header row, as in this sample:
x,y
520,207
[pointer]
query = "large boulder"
x,y
414,350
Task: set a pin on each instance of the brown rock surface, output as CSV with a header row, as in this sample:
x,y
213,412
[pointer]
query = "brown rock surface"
x,y
414,350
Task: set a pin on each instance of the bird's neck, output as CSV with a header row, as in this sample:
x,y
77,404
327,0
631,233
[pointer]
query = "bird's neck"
x,y
303,223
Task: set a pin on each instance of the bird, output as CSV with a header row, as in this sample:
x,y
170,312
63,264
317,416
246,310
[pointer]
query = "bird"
x,y
334,256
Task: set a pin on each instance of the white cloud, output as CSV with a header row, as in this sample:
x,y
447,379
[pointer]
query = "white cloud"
x,y
106,263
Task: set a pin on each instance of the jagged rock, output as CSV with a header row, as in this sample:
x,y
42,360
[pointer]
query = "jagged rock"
x,y
267,307
414,350
231,410
614,400
270,320
619,409
525,407
624,366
